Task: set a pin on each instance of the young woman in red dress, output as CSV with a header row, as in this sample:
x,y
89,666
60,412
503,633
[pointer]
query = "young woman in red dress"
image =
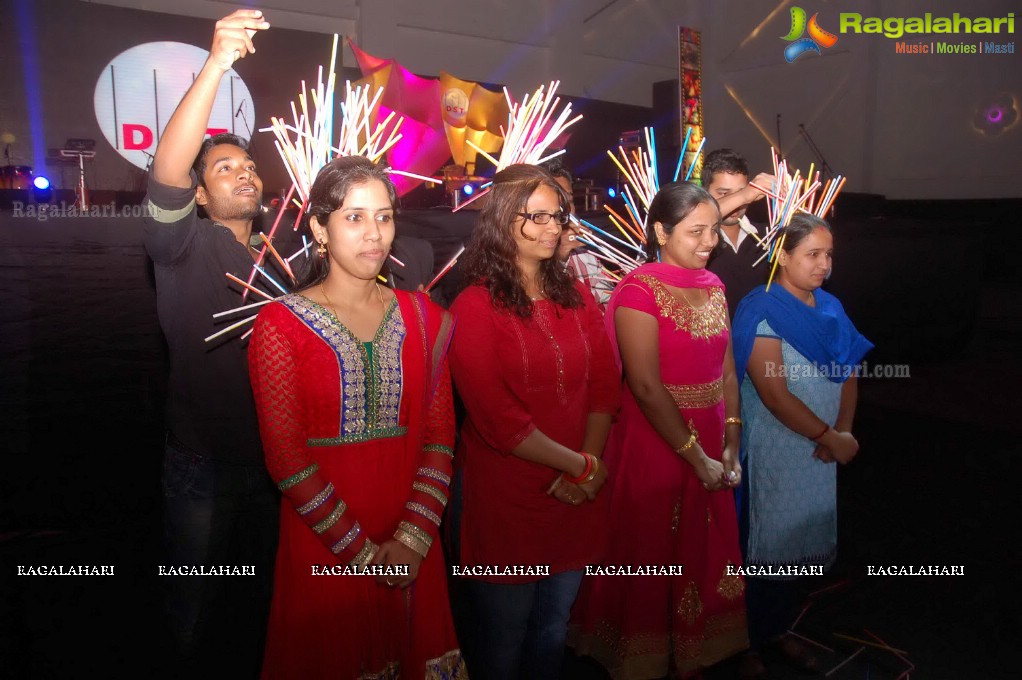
x,y
533,365
354,399
673,458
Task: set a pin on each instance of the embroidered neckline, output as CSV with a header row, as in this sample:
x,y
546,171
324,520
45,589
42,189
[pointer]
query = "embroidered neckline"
x,y
706,321
330,312
371,383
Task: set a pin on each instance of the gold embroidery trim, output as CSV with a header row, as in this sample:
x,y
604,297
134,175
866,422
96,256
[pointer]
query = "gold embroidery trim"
x,y
697,396
676,516
439,448
433,473
424,511
690,606
450,666
346,540
365,555
413,537
412,542
700,322
730,585
431,490
317,500
331,519
298,477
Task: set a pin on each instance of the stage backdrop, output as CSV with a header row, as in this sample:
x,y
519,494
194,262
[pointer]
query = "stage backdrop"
x,y
56,51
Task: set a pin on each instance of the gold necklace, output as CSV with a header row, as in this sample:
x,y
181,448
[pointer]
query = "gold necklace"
x,y
322,287
700,307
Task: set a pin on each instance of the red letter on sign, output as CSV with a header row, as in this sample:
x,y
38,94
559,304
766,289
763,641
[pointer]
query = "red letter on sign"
x,y
130,141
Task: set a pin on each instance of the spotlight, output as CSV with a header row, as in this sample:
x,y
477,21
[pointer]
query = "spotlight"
x,y
612,192
468,189
42,190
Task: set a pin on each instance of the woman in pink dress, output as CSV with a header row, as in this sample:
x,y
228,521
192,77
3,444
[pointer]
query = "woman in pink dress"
x,y
673,458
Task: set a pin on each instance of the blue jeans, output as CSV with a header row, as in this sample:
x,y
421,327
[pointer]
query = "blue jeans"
x,y
218,515
522,627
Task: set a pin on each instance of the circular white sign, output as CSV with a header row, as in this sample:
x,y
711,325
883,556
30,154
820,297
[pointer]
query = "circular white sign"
x,y
455,105
139,89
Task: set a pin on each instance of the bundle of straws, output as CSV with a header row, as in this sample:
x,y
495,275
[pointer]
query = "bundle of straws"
x,y
305,147
639,169
788,195
531,129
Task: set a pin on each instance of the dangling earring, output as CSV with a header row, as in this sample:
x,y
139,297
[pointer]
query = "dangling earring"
x,y
321,250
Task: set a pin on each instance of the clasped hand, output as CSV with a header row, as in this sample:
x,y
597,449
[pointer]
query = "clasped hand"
x,y
577,494
717,475
392,554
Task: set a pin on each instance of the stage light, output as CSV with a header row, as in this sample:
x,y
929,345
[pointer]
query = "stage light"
x,y
42,190
468,189
612,192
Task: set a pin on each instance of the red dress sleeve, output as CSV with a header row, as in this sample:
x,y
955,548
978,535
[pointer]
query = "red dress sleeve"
x,y
278,398
635,294
499,417
604,379
420,522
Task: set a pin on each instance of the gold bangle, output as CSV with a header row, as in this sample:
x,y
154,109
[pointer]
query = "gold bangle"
x,y
733,420
592,475
687,445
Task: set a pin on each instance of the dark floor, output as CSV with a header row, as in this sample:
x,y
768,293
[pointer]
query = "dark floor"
x,y
932,485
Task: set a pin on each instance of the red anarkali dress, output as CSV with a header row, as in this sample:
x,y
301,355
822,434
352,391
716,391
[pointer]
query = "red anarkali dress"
x,y
358,437
660,515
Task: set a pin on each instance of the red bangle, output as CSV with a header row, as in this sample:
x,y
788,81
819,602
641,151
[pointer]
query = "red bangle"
x,y
585,473
826,429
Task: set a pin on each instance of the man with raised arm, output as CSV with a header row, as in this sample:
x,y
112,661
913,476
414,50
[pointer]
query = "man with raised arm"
x,y
220,506
726,174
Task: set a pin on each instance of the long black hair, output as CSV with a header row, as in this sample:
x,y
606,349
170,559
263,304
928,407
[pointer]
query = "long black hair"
x,y
491,258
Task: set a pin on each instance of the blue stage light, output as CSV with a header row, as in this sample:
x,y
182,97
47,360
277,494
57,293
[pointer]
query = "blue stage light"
x,y
41,183
468,189
612,192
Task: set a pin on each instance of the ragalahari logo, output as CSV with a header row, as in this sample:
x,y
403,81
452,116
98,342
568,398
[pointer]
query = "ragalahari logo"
x,y
817,36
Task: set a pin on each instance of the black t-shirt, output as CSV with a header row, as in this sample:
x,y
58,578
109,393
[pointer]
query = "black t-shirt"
x,y
209,399
736,271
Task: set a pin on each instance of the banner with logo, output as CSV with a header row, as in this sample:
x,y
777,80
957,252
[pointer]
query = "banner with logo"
x,y
690,94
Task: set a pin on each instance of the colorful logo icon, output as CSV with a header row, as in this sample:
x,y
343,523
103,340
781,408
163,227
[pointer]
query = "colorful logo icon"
x,y
817,36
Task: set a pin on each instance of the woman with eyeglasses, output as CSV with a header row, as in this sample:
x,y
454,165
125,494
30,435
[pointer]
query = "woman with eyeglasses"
x,y
531,360
673,456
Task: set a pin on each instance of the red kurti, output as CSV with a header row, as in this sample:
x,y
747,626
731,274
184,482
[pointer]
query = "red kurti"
x,y
359,441
517,375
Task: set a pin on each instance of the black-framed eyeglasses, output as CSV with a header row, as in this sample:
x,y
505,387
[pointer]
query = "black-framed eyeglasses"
x,y
542,218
